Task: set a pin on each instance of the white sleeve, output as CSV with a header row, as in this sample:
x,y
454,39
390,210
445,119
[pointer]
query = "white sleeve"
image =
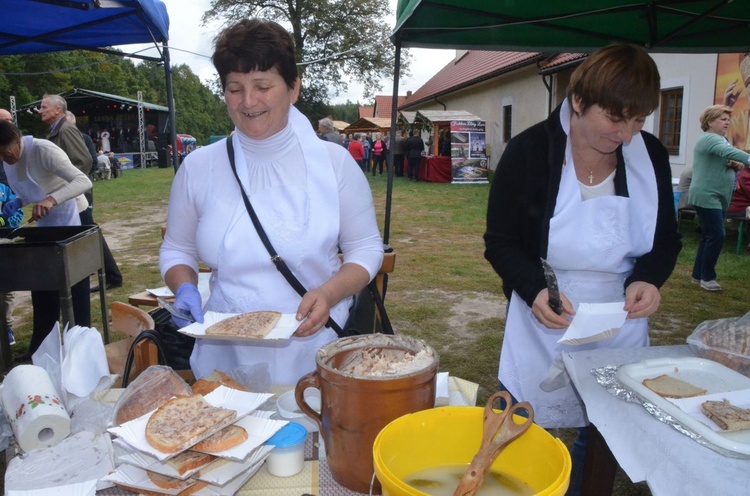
x,y
179,247
359,235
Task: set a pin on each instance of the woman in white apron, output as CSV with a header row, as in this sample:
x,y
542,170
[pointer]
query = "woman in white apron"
x,y
40,173
591,193
310,197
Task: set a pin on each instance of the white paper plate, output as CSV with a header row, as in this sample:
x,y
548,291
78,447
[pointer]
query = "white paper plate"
x,y
244,403
717,379
223,471
283,329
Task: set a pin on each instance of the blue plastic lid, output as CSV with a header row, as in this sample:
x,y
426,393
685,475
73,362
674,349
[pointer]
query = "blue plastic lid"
x,y
290,435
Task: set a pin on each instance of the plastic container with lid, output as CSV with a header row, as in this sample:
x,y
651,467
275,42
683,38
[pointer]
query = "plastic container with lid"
x,y
288,455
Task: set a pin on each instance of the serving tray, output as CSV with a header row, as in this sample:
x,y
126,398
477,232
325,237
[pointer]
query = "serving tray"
x,y
707,374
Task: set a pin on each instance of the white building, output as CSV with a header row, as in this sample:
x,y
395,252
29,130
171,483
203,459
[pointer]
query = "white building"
x,y
514,90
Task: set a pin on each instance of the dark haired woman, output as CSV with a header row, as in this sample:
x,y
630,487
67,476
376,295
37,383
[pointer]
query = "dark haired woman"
x,y
310,197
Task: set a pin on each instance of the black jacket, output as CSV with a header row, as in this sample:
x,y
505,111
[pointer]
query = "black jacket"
x,y
522,200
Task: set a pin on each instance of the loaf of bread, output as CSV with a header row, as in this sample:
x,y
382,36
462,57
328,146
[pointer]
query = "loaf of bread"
x,y
726,341
151,389
229,436
166,482
726,415
190,490
207,384
189,460
671,387
183,421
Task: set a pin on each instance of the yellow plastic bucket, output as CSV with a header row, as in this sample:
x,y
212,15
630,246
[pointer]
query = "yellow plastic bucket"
x,y
452,436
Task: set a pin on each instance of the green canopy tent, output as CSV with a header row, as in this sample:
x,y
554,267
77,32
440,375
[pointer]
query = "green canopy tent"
x,y
687,26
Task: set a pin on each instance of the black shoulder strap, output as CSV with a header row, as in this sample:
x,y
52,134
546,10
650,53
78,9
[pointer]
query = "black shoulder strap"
x,y
281,266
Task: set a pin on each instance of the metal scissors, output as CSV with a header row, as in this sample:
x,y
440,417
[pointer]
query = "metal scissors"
x,y
499,430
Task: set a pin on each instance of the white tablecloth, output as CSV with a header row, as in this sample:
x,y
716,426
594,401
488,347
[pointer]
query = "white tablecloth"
x,y
646,449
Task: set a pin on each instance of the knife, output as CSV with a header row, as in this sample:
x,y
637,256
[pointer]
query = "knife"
x,y
553,291
169,307
19,227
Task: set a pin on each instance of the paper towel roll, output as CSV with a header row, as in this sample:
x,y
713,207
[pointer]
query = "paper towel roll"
x,y
35,412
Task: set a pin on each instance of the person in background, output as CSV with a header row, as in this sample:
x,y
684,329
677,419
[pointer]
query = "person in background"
x,y
7,196
715,163
310,196
357,151
104,139
114,165
683,186
71,118
328,133
63,132
741,195
399,150
379,151
104,171
568,190
40,173
367,148
414,149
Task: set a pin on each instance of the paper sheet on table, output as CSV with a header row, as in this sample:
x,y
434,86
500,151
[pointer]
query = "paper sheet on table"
x,y
594,322
203,289
70,468
692,406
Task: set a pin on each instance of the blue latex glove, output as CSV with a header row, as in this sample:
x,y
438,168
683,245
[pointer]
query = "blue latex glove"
x,y
188,299
12,207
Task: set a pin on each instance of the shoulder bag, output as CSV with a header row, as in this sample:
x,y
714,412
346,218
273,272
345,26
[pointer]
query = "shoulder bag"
x,y
361,315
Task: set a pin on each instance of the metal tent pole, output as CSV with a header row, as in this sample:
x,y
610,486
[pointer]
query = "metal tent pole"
x,y
394,110
170,104
141,130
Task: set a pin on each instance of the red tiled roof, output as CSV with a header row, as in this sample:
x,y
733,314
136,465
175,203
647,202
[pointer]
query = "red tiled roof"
x,y
472,67
365,112
383,105
562,59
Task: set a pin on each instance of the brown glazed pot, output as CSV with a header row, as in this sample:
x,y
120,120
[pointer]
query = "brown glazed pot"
x,y
354,409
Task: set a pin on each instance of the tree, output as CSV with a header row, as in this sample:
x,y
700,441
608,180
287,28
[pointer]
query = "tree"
x,y
340,39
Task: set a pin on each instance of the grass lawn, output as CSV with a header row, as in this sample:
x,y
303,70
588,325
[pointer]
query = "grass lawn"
x,y
442,289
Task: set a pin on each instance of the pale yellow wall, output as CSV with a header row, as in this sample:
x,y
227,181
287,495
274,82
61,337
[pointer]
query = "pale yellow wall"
x,y
524,90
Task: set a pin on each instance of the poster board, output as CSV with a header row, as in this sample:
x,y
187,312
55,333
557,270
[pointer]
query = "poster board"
x,y
469,161
732,81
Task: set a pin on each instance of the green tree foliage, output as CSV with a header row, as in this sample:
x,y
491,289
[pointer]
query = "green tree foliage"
x,y
336,41
199,111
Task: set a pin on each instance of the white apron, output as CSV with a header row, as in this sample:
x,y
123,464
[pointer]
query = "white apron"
x,y
593,245
63,214
302,224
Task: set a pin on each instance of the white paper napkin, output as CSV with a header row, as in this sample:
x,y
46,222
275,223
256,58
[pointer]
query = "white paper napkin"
x,y
78,367
594,322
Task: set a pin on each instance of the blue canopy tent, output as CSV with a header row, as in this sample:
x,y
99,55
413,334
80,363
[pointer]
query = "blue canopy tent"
x,y
34,26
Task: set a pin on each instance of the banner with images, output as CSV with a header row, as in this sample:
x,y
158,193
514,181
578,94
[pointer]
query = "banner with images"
x,y
733,89
469,161
125,160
